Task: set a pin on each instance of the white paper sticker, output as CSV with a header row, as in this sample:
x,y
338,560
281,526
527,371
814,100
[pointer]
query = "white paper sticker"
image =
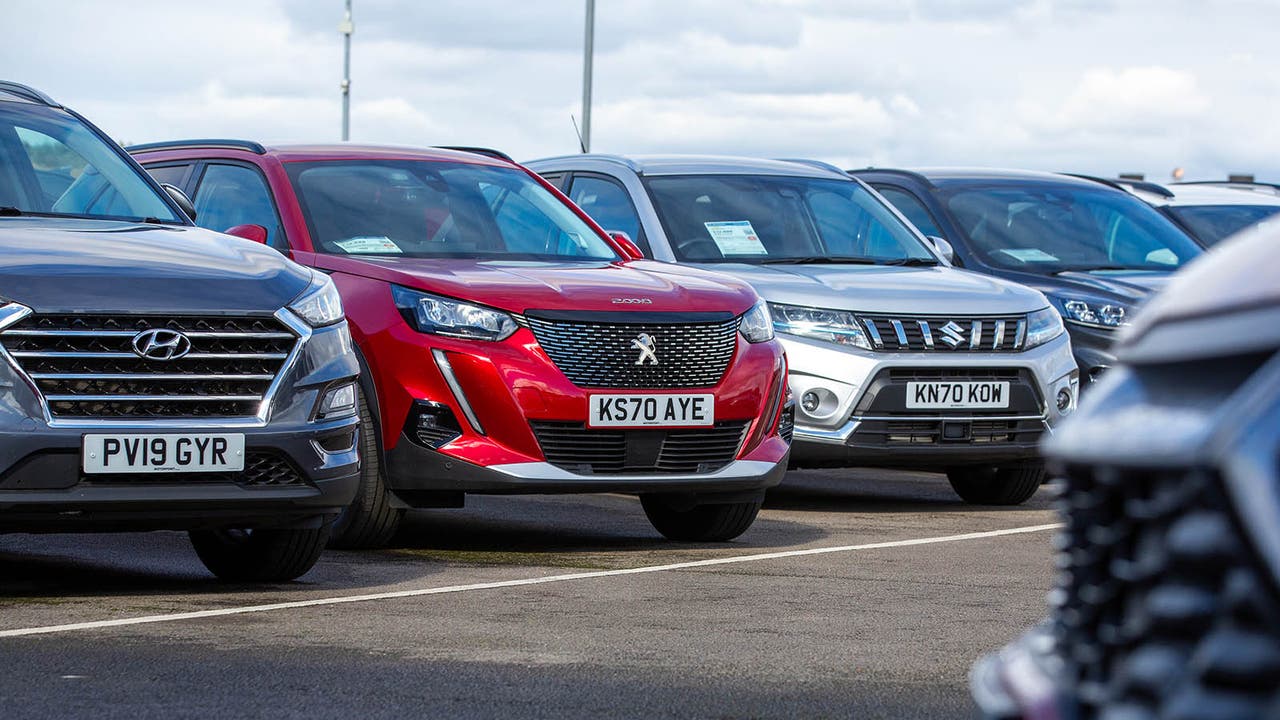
x,y
368,245
736,238
1029,255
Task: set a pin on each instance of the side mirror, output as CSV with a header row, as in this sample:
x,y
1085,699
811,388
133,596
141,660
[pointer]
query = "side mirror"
x,y
629,247
944,248
181,198
256,233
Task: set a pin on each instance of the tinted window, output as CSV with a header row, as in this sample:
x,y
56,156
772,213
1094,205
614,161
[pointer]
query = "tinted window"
x,y
910,205
1214,223
609,205
1050,228
169,174
414,208
746,218
231,195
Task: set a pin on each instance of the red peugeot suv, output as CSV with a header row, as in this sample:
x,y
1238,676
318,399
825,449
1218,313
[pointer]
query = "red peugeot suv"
x,y
508,344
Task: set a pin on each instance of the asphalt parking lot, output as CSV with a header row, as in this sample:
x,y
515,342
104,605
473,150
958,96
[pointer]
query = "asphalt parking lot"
x,y
550,606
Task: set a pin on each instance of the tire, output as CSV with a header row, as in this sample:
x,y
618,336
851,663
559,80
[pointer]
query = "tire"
x,y
1011,485
270,555
369,521
701,523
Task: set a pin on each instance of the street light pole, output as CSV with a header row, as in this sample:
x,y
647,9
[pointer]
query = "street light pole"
x,y
346,27
587,56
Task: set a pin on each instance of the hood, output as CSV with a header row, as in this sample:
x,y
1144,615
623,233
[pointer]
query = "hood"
x,y
519,286
108,266
885,289
1131,287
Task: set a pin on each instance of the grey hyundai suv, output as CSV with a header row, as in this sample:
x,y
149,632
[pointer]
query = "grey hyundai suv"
x,y
155,375
896,359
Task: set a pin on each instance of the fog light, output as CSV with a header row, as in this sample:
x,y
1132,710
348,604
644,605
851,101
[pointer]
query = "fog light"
x,y
434,425
1064,401
338,402
810,401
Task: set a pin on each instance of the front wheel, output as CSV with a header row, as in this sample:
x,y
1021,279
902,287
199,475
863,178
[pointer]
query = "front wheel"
x,y
267,555
708,522
1012,485
370,520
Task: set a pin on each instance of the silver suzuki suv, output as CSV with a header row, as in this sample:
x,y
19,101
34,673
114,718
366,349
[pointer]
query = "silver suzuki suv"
x,y
896,358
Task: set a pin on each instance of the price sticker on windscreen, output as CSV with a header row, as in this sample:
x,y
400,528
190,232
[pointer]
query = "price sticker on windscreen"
x,y
370,246
736,237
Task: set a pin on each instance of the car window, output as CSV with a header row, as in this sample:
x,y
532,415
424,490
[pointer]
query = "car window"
x,y
73,171
1050,228
1214,223
610,206
910,205
757,219
169,174
425,208
230,195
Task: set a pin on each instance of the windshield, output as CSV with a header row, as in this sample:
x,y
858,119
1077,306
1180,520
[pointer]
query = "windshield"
x,y
429,209
1045,229
51,164
763,219
1214,223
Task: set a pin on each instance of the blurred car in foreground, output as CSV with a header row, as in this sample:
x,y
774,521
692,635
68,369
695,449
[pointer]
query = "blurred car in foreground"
x,y
1095,250
1210,213
1167,603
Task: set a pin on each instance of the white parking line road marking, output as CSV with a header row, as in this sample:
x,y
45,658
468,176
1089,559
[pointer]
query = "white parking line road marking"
x,y
221,612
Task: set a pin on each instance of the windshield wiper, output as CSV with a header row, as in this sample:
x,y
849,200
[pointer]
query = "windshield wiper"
x,y
911,262
1090,268
9,211
819,260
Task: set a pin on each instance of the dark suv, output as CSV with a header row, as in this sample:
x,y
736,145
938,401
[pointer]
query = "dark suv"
x,y
1167,602
1096,251
156,375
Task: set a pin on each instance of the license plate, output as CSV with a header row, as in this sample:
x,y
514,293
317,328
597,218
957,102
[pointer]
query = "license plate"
x,y
169,453
958,395
651,411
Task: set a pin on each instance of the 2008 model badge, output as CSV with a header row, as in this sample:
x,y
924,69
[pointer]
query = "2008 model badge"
x,y
632,301
160,344
647,347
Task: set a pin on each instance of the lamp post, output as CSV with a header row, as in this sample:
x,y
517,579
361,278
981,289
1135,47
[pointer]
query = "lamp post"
x,y
587,53
346,27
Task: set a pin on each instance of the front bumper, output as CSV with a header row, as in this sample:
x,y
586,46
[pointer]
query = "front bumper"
x,y
862,422
1092,350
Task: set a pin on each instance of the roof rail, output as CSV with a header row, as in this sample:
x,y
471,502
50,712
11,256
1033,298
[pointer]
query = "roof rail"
x,y
251,146
918,177
1255,185
1126,185
27,92
814,163
487,152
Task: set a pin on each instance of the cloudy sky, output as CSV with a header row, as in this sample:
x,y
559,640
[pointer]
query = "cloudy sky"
x,y
1100,86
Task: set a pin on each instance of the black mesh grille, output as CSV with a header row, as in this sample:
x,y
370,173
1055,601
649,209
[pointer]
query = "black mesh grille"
x,y
945,334
261,468
86,366
1162,609
787,423
600,354
575,448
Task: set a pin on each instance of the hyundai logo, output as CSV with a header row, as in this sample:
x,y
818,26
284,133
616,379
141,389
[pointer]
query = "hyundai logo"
x,y
647,347
952,334
161,344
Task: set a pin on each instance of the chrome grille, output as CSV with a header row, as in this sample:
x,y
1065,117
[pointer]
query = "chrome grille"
x,y
945,334
86,368
604,354
578,449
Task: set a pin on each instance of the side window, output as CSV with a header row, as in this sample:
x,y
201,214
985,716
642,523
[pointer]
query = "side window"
x,y
174,175
230,195
556,179
910,205
609,205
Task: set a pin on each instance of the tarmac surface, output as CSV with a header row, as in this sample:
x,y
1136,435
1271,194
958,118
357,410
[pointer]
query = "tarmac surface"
x,y
544,606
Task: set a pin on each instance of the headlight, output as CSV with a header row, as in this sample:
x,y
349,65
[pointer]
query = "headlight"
x,y
452,318
756,325
320,304
1094,313
836,326
1043,326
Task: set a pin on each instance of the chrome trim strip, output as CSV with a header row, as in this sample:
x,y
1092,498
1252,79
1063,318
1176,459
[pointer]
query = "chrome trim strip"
x,y
547,471
995,344
144,376
1020,335
838,436
134,356
902,334
132,333
446,369
874,332
939,418
151,398
975,335
928,336
12,314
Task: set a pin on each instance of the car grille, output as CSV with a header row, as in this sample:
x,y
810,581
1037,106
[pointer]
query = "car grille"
x,y
931,432
1162,609
607,354
86,368
576,448
945,334
261,469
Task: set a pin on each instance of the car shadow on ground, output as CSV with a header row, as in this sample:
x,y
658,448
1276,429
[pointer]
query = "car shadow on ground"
x,y
880,491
